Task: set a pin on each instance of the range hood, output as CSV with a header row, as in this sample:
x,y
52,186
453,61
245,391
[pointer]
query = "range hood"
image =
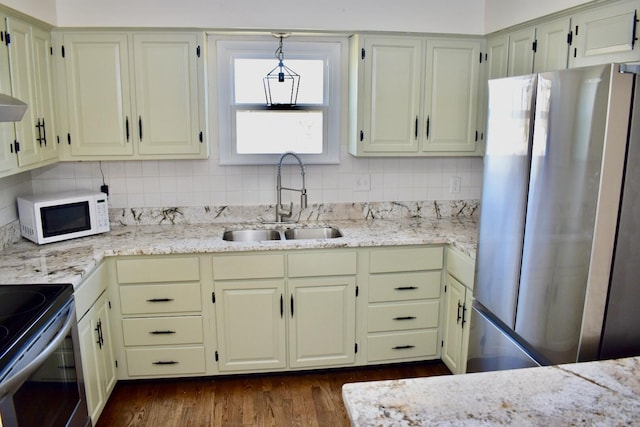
x,y
11,109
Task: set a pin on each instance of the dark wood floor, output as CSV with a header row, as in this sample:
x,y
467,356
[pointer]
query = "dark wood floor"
x,y
292,399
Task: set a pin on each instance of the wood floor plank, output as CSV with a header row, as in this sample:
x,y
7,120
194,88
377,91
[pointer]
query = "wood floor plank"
x,y
300,399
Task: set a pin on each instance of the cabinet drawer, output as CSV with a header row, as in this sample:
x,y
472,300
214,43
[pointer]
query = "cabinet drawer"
x,y
162,330
158,270
461,267
166,361
402,345
335,263
404,286
405,259
259,266
154,299
402,316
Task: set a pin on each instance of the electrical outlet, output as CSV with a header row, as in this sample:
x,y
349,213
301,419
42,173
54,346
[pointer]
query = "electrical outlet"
x,y
363,183
454,184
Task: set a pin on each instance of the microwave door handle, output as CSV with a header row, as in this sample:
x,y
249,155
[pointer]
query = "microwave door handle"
x,y
12,383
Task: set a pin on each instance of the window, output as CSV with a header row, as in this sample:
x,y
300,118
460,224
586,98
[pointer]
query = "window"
x,y
252,133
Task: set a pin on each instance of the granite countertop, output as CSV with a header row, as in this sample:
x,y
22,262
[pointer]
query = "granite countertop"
x,y
602,393
70,261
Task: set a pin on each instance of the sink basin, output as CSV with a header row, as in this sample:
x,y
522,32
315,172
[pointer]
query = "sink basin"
x,y
312,233
248,235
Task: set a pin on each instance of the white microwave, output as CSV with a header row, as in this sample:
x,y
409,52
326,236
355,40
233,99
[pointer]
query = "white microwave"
x,y
51,218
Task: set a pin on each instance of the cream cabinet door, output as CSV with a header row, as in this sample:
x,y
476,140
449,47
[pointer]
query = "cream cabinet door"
x,y
23,88
322,321
521,52
8,159
552,47
250,323
44,91
453,328
497,57
168,93
606,34
98,362
451,95
391,94
99,99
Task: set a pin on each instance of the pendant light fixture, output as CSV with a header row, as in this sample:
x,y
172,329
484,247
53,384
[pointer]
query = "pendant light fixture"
x,y
281,83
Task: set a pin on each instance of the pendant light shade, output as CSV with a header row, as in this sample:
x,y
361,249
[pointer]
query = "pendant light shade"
x,y
281,84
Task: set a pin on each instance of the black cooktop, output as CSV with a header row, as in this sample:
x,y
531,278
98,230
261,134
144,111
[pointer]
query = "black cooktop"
x,y
24,309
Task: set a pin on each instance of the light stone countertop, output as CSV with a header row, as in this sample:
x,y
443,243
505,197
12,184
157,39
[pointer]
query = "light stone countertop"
x,y
603,393
71,261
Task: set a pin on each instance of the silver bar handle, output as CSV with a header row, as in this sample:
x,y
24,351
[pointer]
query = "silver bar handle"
x,y
13,382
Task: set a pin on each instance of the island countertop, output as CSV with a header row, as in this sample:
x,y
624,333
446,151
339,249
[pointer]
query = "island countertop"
x,y
602,393
71,261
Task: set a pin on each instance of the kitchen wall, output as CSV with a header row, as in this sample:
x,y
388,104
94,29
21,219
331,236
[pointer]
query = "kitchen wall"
x,y
501,14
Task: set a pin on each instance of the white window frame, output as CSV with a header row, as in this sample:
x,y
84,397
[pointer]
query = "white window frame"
x,y
224,48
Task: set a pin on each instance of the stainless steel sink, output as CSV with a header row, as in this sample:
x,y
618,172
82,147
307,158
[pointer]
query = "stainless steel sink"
x,y
259,235
312,233
251,235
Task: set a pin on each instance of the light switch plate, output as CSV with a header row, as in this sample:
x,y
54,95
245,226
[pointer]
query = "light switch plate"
x,y
363,183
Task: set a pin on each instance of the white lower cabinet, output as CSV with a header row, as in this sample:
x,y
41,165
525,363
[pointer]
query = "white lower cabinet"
x,y
458,298
163,326
403,305
271,318
96,344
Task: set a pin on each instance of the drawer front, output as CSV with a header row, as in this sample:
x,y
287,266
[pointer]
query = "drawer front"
x,y
403,316
158,270
402,345
162,330
461,267
156,299
166,361
335,263
404,286
389,260
259,266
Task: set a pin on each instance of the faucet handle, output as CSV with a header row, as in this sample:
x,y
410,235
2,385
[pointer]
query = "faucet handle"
x,y
284,213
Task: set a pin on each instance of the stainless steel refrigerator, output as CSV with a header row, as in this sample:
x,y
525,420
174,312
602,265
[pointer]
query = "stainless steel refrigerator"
x,y
558,262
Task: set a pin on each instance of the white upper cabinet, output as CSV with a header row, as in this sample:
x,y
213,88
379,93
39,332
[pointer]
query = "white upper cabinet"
x,y
451,96
32,82
606,34
552,45
98,93
521,52
412,96
135,95
8,159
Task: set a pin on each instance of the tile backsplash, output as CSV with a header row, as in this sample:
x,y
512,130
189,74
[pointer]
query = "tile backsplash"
x,y
189,183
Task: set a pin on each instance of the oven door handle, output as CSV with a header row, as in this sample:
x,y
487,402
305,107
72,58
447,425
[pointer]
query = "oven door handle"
x,y
12,383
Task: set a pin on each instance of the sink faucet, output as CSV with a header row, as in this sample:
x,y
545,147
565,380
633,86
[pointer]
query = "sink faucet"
x,y
281,211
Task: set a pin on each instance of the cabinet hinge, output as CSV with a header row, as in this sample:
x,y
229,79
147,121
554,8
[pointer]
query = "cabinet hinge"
x,y
17,145
534,46
476,136
442,343
109,304
570,38
62,50
576,30
198,51
357,291
362,54
201,137
213,297
361,136
116,362
51,50
356,347
445,289
69,138
634,39
216,355
7,38
481,57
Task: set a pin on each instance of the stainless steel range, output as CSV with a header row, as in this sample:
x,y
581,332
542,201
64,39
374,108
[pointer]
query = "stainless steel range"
x,y
40,369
